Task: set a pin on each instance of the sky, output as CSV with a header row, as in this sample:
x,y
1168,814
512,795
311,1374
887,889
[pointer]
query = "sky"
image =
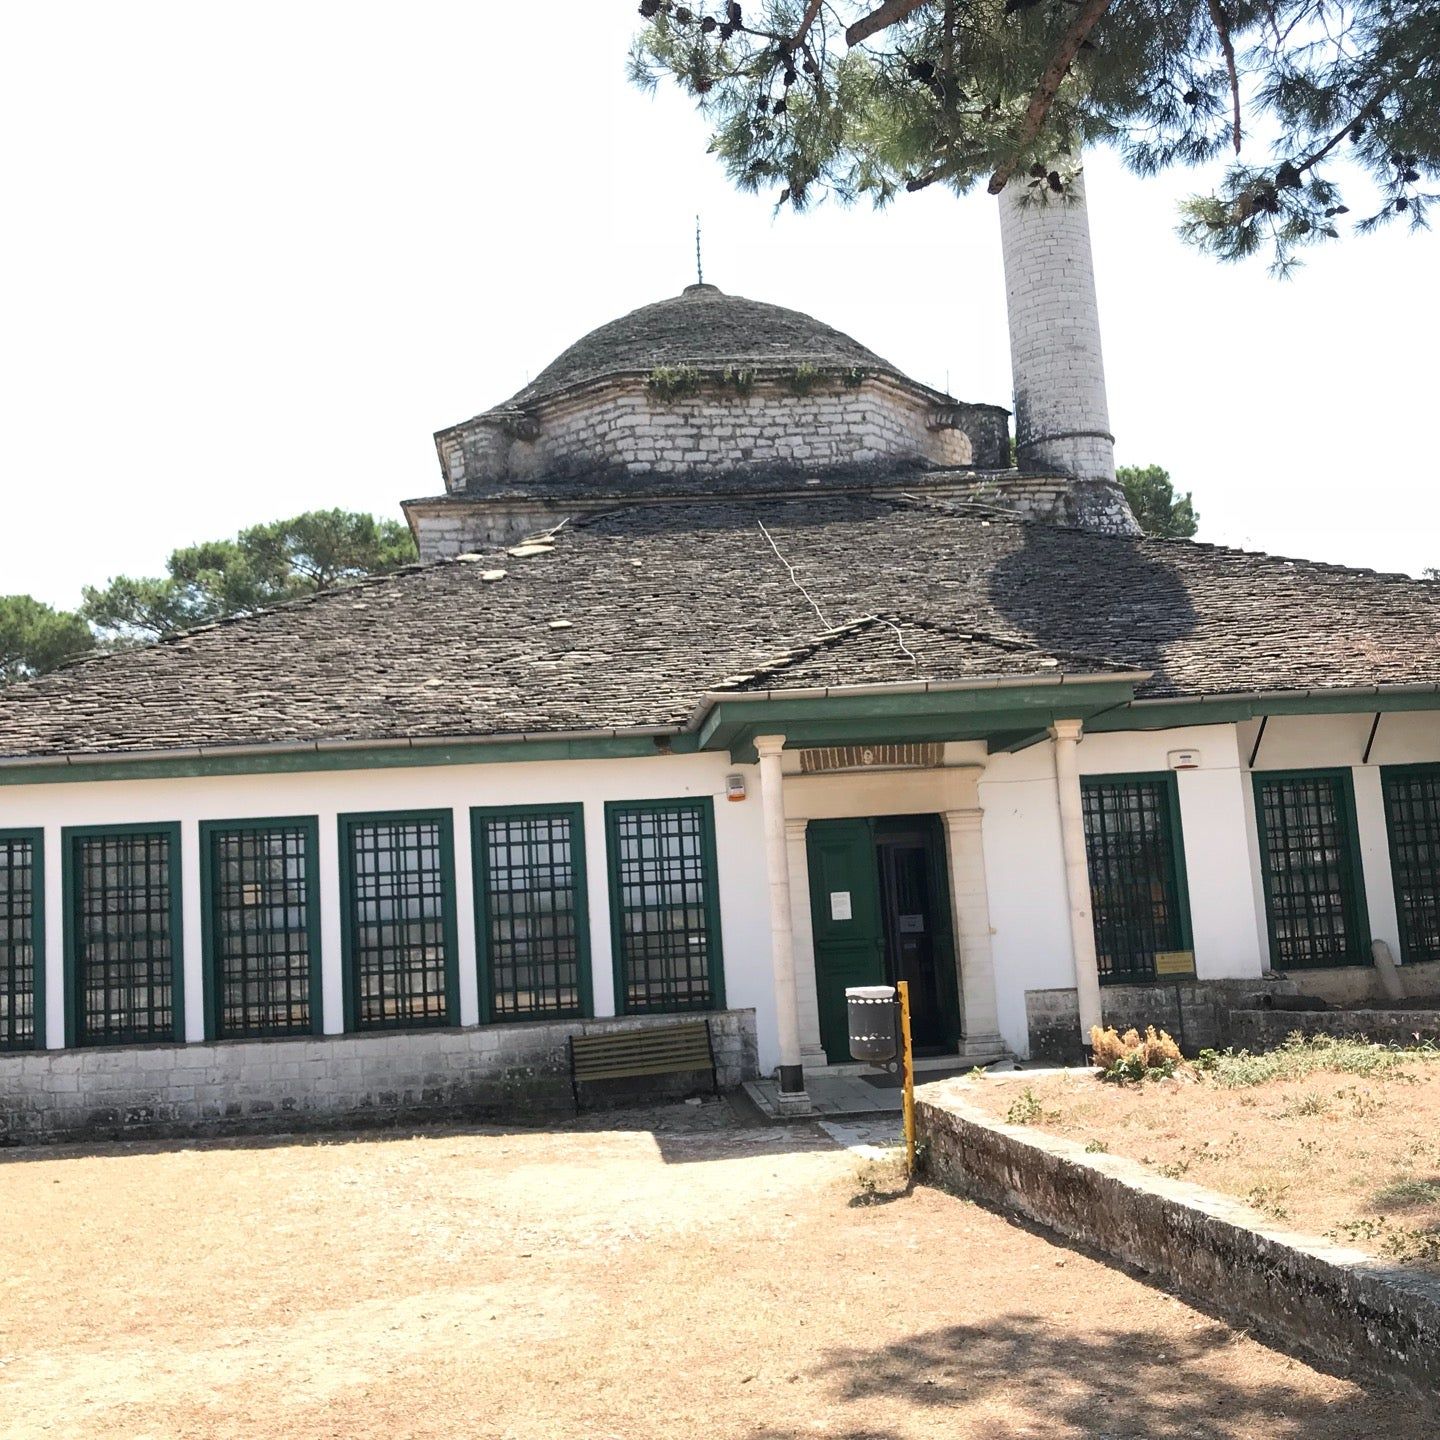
x,y
253,256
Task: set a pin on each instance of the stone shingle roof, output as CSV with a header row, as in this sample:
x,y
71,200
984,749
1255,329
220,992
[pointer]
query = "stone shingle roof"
x,y
707,329
631,616
889,649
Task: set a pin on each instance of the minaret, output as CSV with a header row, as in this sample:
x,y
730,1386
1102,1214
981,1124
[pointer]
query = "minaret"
x,y
1062,423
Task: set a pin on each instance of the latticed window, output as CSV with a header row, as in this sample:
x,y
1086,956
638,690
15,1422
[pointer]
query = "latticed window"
x,y
262,928
1132,843
1309,858
530,913
399,912
22,946
664,909
124,917
1412,814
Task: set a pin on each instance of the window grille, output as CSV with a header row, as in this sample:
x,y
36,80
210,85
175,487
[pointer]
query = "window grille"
x,y
21,951
667,933
530,894
1132,839
1412,815
1308,858
261,951
125,936
400,913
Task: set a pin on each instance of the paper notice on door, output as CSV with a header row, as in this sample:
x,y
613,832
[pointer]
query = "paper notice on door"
x,y
840,905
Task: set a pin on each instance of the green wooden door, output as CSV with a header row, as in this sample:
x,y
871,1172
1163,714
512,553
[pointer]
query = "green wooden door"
x,y
845,913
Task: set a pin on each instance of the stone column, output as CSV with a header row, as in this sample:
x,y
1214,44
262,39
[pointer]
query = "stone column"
x,y
782,940
970,910
807,993
1062,420
1066,738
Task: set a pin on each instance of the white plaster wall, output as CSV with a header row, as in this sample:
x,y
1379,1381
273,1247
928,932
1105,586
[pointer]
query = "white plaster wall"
x,y
740,855
1020,836
1025,870
1306,742
1025,864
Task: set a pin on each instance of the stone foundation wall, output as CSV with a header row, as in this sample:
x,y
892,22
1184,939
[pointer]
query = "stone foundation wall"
x,y
1339,1304
1265,1029
511,1071
1355,984
1195,1012
1056,500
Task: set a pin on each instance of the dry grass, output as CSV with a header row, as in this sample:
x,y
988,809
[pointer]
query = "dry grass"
x,y
679,1280
1352,1153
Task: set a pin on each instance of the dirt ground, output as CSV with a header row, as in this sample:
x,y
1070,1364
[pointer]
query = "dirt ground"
x,y
1354,1158
669,1274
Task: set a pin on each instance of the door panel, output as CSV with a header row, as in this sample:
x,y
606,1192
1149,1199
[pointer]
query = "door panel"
x,y
915,922
845,914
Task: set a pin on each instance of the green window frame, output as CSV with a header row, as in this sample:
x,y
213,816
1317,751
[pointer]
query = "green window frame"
x,y
664,906
1139,892
397,922
532,924
1310,864
124,935
22,940
1412,825
260,927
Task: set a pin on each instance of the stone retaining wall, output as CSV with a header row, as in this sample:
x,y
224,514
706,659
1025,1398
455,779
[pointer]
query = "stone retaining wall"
x,y
1195,1012
1355,984
336,1081
1265,1029
1339,1304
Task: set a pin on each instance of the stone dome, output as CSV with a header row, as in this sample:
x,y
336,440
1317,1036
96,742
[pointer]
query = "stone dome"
x,y
705,329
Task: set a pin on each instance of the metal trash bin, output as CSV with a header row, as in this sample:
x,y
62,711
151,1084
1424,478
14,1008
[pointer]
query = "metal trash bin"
x,y
874,1021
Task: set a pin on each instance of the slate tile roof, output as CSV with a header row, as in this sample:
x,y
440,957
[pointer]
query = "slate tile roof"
x,y
631,616
889,649
707,329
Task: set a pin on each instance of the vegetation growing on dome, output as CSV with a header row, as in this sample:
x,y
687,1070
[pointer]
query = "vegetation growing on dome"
x,y
670,382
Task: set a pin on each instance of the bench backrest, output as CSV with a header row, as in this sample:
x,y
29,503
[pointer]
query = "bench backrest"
x,y
662,1050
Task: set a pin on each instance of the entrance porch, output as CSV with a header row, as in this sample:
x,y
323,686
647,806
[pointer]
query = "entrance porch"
x,y
887,882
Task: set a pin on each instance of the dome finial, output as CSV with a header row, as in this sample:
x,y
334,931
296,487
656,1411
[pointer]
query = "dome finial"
x,y
699,268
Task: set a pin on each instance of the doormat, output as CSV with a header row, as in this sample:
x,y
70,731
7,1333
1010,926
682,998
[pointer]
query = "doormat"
x,y
922,1077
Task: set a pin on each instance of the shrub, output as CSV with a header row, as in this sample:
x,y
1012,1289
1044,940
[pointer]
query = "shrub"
x,y
1132,1056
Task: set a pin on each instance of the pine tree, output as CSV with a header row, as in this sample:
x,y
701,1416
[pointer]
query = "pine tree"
x,y
35,638
1158,510
263,565
877,97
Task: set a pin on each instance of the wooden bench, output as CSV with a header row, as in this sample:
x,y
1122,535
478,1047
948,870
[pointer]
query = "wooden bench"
x,y
659,1050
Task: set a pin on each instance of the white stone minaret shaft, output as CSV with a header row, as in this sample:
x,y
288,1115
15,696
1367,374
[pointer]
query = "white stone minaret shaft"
x,y
1062,423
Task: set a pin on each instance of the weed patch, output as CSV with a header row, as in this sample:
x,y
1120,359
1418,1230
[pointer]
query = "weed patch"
x,y
1303,1055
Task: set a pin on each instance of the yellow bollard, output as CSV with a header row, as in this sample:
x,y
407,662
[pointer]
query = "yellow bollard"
x,y
907,1059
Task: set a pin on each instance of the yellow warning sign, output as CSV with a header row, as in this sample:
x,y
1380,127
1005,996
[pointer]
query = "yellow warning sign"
x,y
1174,962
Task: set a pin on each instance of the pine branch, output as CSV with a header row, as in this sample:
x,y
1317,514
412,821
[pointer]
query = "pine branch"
x,y
1049,86
892,12
1222,29
806,21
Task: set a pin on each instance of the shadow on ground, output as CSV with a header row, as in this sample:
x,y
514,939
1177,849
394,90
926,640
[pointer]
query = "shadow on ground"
x,y
1112,1383
717,1129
